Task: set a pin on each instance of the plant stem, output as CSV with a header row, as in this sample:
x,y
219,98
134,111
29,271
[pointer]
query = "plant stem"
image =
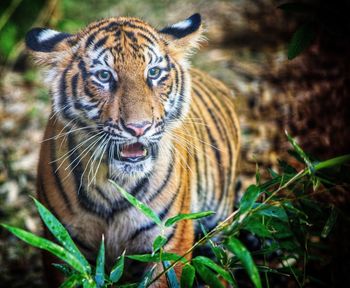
x,y
222,225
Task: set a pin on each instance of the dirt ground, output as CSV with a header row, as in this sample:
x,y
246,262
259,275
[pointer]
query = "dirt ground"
x,y
246,49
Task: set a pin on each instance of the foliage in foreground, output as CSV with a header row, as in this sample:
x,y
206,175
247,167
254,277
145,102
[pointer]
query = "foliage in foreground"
x,y
279,212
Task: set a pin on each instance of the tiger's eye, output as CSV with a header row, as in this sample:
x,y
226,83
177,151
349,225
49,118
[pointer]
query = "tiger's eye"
x,y
103,75
154,73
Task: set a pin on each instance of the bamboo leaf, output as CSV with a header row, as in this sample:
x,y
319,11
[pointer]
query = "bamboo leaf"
x,y
61,234
118,268
65,269
89,283
72,281
147,278
156,257
146,210
100,265
241,252
187,276
218,269
177,218
300,151
271,211
47,245
330,223
301,39
159,242
254,225
248,199
171,276
207,275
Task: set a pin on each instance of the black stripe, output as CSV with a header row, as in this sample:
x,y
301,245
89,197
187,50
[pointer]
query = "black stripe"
x,y
100,43
83,197
145,37
148,33
74,85
226,138
103,195
214,146
57,178
63,101
42,193
163,79
197,162
90,39
165,182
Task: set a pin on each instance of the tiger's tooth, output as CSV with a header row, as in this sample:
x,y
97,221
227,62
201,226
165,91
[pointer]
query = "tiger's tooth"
x,y
145,152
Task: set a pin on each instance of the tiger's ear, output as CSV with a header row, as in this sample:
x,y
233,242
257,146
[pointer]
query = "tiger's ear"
x,y
46,44
183,36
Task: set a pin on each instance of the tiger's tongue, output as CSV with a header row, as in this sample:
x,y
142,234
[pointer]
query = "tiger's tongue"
x,y
133,151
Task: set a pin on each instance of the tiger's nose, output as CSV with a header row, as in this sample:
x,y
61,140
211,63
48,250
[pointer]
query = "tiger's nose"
x,y
138,129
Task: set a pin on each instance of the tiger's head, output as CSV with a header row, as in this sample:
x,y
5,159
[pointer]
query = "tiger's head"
x,y
122,81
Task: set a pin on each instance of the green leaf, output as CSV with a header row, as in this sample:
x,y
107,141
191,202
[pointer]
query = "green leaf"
x,y
271,211
337,161
171,221
61,234
254,225
65,269
147,278
300,151
159,242
73,281
118,268
146,210
100,265
47,245
171,276
218,269
278,228
219,253
187,276
330,223
248,199
156,257
272,173
241,252
289,245
301,39
207,275
89,283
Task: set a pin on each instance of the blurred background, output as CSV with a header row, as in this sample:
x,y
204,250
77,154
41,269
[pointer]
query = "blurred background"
x,y
246,48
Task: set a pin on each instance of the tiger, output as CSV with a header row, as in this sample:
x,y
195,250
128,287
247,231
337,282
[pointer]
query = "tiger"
x,y
128,107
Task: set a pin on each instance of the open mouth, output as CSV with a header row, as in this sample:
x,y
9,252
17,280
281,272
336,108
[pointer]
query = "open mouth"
x,y
132,153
